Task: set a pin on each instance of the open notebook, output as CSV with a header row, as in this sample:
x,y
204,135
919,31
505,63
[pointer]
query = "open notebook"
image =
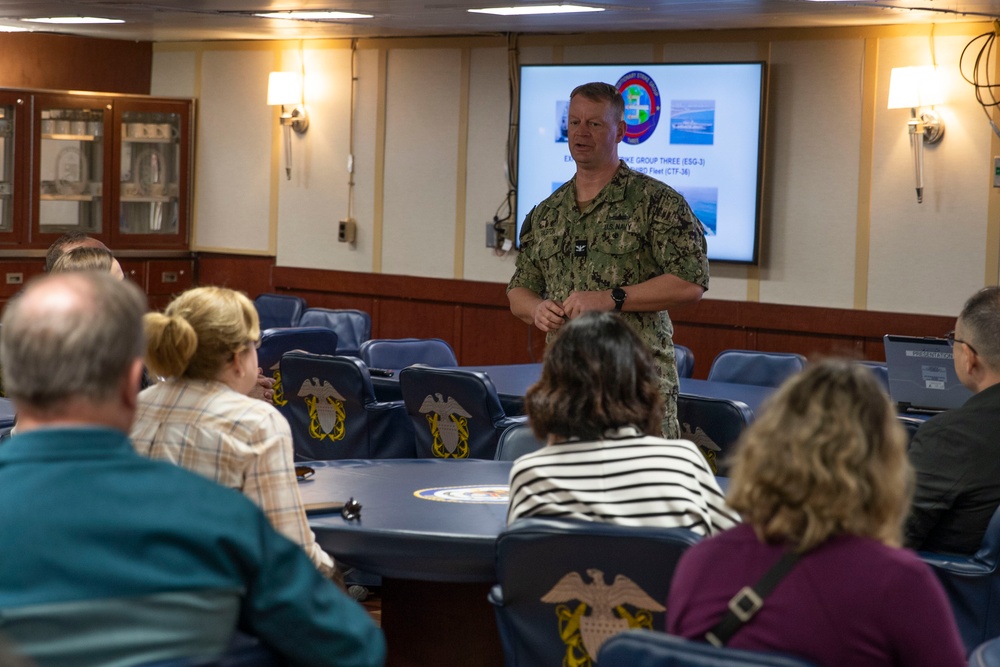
x,y
922,374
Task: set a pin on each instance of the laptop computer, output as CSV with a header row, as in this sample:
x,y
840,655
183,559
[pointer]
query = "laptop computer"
x,y
922,374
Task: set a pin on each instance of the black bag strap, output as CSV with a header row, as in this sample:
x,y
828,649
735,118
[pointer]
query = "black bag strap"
x,y
749,600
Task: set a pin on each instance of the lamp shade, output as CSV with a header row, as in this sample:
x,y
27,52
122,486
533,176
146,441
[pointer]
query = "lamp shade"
x,y
911,87
284,88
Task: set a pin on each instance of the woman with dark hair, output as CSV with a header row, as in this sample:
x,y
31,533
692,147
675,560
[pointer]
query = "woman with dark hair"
x,y
821,474
599,407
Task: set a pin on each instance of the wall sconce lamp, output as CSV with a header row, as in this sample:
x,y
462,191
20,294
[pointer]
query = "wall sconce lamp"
x,y
285,88
913,88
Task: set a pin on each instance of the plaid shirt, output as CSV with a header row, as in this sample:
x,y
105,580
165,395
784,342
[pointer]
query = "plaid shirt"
x,y
240,442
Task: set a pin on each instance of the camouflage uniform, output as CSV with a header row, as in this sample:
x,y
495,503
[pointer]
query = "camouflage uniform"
x,y
636,228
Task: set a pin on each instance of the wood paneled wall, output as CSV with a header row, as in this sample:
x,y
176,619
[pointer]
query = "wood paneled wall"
x,y
474,316
66,62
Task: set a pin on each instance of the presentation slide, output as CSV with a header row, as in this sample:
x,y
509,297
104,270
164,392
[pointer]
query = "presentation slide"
x,y
696,127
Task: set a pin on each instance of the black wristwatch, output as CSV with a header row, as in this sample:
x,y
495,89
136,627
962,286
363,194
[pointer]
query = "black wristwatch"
x,y
618,294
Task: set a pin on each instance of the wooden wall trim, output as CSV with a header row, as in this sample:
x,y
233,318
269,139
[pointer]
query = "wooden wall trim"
x,y
810,319
442,290
474,317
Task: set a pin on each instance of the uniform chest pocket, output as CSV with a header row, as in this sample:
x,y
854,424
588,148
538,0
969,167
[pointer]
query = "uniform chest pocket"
x,y
550,242
617,238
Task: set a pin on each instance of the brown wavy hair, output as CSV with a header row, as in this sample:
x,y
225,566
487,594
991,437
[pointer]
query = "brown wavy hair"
x,y
598,375
827,456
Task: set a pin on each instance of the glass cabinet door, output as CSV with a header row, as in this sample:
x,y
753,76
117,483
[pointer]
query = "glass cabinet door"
x,y
14,121
70,171
151,172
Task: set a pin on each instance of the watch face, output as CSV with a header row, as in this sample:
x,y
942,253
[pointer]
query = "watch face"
x,y
618,294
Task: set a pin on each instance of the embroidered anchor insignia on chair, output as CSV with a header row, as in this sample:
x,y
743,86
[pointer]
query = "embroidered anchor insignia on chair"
x,y
705,444
326,409
278,398
449,424
584,634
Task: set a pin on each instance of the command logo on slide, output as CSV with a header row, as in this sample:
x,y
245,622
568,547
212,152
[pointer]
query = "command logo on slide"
x,y
642,106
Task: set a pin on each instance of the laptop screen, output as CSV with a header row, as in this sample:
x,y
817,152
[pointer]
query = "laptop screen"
x,y
922,374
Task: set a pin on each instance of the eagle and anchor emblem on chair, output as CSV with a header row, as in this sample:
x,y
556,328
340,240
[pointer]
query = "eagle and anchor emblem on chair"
x,y
449,424
327,415
583,633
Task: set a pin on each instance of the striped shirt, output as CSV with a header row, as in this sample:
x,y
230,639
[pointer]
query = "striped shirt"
x,y
628,479
240,442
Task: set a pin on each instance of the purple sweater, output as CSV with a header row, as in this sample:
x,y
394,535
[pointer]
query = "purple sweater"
x,y
851,601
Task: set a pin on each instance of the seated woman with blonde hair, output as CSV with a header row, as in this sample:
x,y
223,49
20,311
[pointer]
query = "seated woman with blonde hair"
x,y
822,481
596,404
201,417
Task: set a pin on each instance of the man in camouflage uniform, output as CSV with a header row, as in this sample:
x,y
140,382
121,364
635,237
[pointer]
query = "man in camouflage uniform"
x,y
610,239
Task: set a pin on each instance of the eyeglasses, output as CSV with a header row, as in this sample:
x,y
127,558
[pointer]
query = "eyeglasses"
x,y
950,337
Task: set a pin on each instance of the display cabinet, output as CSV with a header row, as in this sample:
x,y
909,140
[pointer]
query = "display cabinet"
x,y
151,168
114,167
15,127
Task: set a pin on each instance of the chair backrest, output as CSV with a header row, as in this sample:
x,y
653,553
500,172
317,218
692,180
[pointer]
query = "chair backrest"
x,y
714,424
880,369
353,327
455,413
564,587
972,584
279,310
403,352
767,369
517,441
685,361
644,648
275,342
333,412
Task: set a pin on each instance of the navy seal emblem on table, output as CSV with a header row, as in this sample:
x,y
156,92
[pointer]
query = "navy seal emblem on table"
x,y
482,494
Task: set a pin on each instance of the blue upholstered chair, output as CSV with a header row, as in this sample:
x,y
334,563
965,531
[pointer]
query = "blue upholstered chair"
x,y
403,352
353,327
685,361
714,424
279,310
644,648
973,586
455,413
552,597
517,441
766,369
275,342
334,414
986,654
880,369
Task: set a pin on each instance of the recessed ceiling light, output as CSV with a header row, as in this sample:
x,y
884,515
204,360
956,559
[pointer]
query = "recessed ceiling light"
x,y
73,20
536,9
313,16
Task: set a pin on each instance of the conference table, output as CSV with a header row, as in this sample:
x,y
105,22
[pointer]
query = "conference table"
x,y
512,381
427,527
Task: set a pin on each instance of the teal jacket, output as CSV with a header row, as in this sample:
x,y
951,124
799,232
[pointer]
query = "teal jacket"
x,y
108,558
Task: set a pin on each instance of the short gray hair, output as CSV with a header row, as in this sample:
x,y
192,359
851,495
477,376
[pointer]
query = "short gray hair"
x,y
70,334
980,318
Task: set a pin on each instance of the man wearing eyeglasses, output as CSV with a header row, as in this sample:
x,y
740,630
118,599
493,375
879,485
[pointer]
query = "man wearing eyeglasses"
x,y
956,454
113,558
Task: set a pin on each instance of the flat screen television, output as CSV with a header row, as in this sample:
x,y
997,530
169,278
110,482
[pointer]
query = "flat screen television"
x,y
696,127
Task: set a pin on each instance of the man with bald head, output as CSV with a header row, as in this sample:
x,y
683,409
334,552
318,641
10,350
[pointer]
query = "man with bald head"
x,y
112,558
957,453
